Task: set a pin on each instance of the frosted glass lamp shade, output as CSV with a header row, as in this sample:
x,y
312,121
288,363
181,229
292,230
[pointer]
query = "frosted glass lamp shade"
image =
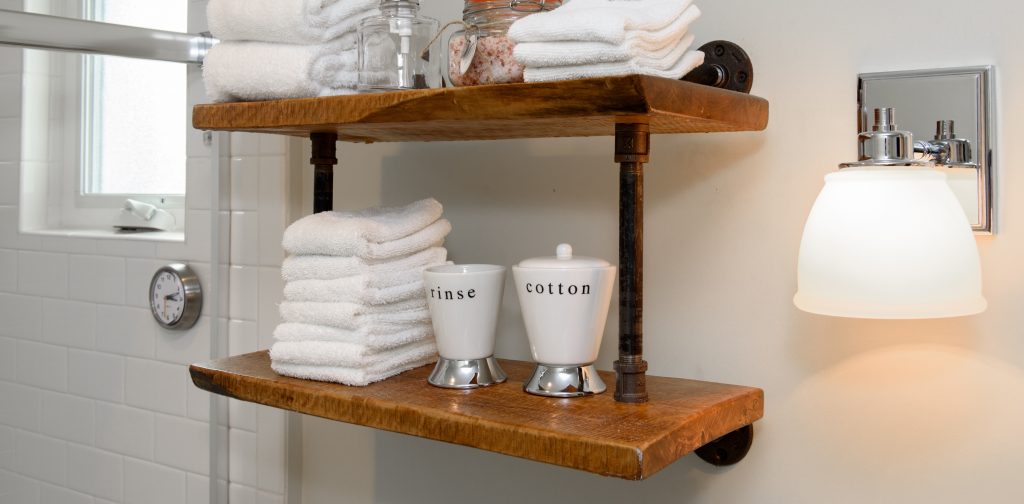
x,y
888,243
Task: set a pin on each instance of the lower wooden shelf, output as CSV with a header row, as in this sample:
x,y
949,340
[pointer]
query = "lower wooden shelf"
x,y
594,434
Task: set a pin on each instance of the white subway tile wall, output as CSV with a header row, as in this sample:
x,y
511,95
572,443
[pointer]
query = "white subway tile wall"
x,y
96,472
125,430
148,483
197,489
96,405
51,494
68,417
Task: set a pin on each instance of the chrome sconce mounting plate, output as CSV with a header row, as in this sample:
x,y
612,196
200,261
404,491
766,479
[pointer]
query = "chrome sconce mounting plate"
x,y
930,104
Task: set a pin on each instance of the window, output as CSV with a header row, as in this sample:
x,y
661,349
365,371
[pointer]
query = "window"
x,y
133,113
99,129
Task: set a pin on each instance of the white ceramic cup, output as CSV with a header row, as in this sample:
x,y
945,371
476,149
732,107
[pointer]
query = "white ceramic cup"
x,y
464,300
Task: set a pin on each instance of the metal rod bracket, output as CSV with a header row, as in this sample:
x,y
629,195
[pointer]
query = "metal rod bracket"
x,y
632,150
323,159
728,449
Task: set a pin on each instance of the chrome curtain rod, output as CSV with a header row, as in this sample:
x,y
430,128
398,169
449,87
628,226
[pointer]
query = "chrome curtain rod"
x,y
38,31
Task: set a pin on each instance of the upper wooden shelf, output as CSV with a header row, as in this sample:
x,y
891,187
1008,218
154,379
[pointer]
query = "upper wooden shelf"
x,y
589,107
594,433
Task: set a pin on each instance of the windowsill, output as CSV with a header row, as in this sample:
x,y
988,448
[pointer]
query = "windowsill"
x,y
111,234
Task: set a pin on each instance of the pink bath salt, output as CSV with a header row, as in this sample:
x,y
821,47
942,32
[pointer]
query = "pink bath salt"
x,y
492,64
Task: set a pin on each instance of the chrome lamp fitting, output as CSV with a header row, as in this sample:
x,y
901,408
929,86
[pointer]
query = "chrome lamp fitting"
x,y
886,145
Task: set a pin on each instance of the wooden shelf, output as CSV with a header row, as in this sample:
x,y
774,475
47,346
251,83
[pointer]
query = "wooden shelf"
x,y
589,107
595,433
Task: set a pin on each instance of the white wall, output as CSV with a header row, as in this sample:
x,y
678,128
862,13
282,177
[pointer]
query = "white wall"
x,y
855,411
96,405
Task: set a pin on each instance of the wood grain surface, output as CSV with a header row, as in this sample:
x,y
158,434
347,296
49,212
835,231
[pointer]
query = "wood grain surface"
x,y
589,107
594,433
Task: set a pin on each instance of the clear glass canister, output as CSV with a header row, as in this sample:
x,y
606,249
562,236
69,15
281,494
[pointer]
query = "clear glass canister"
x,y
481,53
392,48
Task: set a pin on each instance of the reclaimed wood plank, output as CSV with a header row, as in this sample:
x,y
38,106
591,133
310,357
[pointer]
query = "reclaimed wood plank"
x,y
588,107
594,433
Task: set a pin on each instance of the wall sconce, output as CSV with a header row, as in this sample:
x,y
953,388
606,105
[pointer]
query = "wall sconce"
x,y
887,238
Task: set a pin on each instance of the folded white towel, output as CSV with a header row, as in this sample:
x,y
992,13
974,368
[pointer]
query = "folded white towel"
x,y
354,289
689,61
336,353
327,240
269,71
352,316
288,21
388,365
380,273
663,59
375,224
639,43
374,336
597,20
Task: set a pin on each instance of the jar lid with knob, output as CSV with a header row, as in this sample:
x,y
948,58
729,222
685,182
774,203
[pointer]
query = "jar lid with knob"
x,y
563,259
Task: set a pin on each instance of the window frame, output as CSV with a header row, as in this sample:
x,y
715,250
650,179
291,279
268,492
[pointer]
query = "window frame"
x,y
86,75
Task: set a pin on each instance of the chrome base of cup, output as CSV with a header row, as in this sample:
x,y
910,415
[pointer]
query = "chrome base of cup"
x,y
564,381
466,374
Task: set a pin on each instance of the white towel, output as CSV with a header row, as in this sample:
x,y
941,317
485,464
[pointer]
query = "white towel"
x,y
327,240
355,289
689,61
664,59
381,273
374,336
352,316
336,353
375,224
652,45
269,71
385,366
597,20
355,376
288,21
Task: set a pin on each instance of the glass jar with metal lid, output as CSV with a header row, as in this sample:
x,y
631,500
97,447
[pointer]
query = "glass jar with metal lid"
x,y
481,53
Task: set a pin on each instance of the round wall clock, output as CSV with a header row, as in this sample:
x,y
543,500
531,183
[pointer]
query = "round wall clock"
x,y
175,297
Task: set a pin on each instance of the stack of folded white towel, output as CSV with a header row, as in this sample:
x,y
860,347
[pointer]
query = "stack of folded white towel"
x,y
354,309
272,49
601,38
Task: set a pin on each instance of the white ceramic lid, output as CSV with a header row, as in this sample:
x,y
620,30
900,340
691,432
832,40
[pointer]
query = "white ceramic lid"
x,y
563,259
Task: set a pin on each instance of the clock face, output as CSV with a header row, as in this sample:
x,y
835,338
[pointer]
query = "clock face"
x,y
168,297
175,297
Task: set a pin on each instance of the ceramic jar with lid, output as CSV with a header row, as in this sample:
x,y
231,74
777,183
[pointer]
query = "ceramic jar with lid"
x,y
481,53
564,301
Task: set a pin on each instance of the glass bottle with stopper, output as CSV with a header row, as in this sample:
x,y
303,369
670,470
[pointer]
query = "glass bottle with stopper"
x,y
393,49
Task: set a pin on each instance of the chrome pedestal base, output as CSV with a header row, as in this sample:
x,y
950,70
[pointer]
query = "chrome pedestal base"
x,y
466,374
564,381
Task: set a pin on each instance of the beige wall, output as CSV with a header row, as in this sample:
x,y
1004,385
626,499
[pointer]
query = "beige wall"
x,y
856,411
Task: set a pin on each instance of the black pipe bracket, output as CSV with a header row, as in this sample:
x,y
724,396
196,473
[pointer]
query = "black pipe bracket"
x,y
726,65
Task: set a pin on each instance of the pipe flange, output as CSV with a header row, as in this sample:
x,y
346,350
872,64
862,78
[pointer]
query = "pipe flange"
x,y
726,65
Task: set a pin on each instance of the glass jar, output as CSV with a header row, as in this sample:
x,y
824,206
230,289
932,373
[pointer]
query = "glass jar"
x,y
393,49
481,53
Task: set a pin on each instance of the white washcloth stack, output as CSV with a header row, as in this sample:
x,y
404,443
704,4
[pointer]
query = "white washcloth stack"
x,y
271,49
354,308
602,38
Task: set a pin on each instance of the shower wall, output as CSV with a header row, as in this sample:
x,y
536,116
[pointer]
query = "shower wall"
x,y
95,401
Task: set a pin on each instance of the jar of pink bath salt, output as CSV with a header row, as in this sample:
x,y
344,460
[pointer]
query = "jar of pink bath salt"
x,y
481,53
